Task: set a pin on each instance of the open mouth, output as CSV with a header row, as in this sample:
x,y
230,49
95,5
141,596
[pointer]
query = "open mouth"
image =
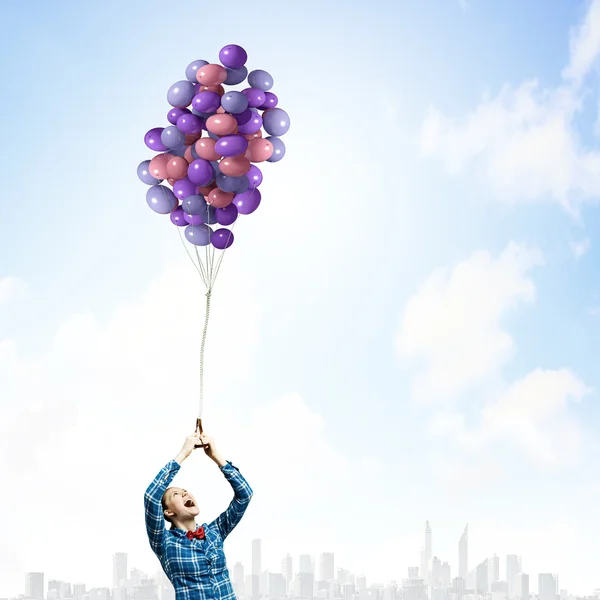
x,y
189,504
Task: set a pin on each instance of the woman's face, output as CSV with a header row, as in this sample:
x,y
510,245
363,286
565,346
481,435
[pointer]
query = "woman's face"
x,y
180,504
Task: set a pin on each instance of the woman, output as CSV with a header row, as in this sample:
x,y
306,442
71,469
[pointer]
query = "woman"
x,y
192,557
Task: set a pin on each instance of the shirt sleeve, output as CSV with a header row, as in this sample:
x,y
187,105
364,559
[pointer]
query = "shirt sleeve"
x,y
155,520
227,520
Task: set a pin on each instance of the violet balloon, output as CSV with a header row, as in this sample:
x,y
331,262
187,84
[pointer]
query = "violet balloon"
x,y
255,96
161,199
178,217
192,68
253,124
180,94
243,117
192,219
222,238
184,187
227,215
153,141
231,145
175,113
199,235
254,176
248,201
235,76
190,124
206,102
201,172
270,102
233,56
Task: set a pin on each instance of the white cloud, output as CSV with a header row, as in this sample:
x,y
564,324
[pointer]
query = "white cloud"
x,y
524,141
10,287
453,325
580,247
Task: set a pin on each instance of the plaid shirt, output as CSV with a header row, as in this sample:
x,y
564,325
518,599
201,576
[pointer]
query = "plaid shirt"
x,y
197,567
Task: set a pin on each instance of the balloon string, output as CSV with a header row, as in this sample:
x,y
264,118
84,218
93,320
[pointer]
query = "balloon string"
x,y
201,405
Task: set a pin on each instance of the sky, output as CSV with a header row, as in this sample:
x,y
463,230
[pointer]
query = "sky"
x,y
404,331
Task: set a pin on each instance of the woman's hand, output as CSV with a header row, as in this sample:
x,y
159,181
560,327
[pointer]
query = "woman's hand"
x,y
211,450
188,446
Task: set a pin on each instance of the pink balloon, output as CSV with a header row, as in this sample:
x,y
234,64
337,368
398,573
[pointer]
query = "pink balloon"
x,y
190,138
188,155
217,89
205,190
211,75
234,166
253,136
171,181
221,124
259,150
158,165
177,168
220,110
219,199
205,148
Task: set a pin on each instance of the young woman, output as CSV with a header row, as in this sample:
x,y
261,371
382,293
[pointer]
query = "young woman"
x,y
192,557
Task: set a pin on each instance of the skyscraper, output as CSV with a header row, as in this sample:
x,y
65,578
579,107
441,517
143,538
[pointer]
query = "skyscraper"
x,y
287,570
119,569
513,568
327,570
547,586
256,568
463,553
428,549
522,586
238,579
34,585
493,569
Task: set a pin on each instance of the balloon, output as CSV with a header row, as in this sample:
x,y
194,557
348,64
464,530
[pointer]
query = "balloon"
x,y
226,215
233,56
211,75
175,113
193,205
217,89
259,150
192,70
221,124
214,136
252,125
243,117
208,214
260,79
171,137
188,154
192,219
221,239
278,149
177,168
180,94
178,217
253,136
190,124
234,102
201,172
276,121
254,176
199,235
206,102
158,166
247,202
219,198
255,96
195,154
205,190
231,145
237,185
184,187
205,148
192,138
234,166
153,141
235,76
161,199
143,172
170,181
271,101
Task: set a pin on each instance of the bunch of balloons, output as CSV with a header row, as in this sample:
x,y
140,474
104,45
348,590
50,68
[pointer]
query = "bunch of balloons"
x,y
213,178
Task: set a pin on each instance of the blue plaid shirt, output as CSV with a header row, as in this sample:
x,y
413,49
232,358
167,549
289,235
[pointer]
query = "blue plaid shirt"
x,y
196,568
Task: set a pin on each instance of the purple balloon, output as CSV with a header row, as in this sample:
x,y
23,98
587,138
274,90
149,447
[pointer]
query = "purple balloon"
x,y
153,141
235,76
206,102
221,239
192,219
227,215
192,69
270,102
199,235
190,124
243,117
178,217
252,125
231,145
161,199
254,176
276,122
175,113
180,94
233,56
184,187
260,79
278,149
247,202
144,174
201,172
194,205
171,137
255,97
234,102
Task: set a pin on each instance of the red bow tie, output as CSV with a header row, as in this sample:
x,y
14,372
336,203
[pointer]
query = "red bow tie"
x,y
199,533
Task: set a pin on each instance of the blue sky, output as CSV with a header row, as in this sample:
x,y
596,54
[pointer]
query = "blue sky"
x,y
314,293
